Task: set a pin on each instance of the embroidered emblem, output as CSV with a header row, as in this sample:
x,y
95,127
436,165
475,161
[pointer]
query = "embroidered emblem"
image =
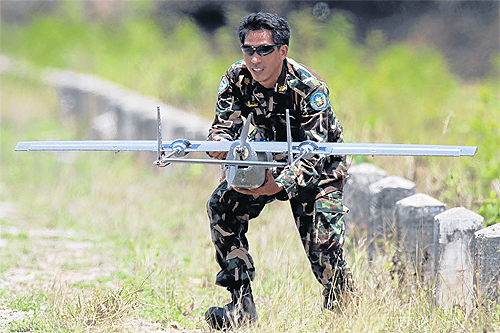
x,y
318,101
224,84
252,105
282,88
246,81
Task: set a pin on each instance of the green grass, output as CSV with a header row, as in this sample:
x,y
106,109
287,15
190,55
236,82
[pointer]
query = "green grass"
x,y
133,241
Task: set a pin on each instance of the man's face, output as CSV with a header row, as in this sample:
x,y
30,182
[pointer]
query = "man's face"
x,y
264,69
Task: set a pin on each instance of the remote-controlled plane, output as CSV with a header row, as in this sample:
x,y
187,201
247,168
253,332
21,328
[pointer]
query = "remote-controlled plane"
x,y
247,161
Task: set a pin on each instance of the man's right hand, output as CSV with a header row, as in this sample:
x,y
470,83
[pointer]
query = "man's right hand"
x,y
220,155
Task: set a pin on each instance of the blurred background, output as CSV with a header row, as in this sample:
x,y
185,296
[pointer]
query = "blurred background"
x,y
399,71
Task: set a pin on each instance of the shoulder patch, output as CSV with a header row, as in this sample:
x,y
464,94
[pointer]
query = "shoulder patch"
x,y
224,84
318,101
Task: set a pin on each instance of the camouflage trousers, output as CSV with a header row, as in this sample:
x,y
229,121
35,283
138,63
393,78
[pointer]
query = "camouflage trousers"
x,y
318,216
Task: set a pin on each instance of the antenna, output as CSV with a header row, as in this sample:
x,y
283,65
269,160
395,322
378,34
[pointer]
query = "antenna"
x,y
160,141
288,136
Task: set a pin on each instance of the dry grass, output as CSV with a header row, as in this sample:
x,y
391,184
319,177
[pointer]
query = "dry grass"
x,y
99,310
116,221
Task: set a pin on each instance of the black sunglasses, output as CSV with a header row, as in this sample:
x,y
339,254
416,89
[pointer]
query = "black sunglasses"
x,y
261,50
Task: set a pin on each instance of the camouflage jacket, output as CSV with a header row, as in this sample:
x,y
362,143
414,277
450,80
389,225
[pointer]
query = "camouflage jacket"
x,y
311,116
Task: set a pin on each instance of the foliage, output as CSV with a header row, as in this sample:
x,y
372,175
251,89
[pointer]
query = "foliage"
x,y
490,210
135,52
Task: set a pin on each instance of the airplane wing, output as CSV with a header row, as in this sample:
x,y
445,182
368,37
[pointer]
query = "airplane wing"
x,y
395,149
269,147
247,161
88,145
243,152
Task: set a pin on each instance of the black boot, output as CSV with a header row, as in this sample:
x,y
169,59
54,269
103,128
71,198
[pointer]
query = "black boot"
x,y
239,312
337,299
331,301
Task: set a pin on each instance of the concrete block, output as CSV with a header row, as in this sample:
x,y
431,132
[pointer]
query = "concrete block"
x,y
383,197
357,194
104,127
453,269
486,249
415,229
86,97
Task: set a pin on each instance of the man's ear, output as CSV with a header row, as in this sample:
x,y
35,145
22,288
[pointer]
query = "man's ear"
x,y
283,51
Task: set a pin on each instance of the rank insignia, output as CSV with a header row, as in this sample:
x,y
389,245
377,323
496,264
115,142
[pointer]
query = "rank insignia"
x,y
246,81
282,88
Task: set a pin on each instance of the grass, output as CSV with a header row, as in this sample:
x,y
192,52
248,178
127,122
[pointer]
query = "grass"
x,y
126,241
98,239
97,309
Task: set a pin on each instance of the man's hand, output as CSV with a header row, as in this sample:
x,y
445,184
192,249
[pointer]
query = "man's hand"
x,y
220,155
270,187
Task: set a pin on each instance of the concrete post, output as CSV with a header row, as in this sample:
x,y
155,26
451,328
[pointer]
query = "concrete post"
x,y
453,269
486,249
357,194
383,197
415,229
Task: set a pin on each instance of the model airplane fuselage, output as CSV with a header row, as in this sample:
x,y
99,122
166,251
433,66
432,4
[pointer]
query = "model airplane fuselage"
x,y
247,161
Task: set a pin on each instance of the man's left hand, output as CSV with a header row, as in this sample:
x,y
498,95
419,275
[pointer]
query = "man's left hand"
x,y
270,187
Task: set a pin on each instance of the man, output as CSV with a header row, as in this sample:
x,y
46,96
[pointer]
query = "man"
x,y
265,84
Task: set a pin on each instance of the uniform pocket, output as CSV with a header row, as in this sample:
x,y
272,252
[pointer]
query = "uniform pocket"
x,y
328,228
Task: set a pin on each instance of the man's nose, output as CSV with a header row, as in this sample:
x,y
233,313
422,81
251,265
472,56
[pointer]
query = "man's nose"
x,y
256,58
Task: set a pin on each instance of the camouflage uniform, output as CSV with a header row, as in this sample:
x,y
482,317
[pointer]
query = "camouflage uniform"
x,y
313,186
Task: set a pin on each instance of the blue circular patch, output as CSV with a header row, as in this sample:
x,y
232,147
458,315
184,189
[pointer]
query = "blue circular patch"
x,y
318,101
224,84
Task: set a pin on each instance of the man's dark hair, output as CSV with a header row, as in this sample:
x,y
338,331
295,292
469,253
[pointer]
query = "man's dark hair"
x,y
280,30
